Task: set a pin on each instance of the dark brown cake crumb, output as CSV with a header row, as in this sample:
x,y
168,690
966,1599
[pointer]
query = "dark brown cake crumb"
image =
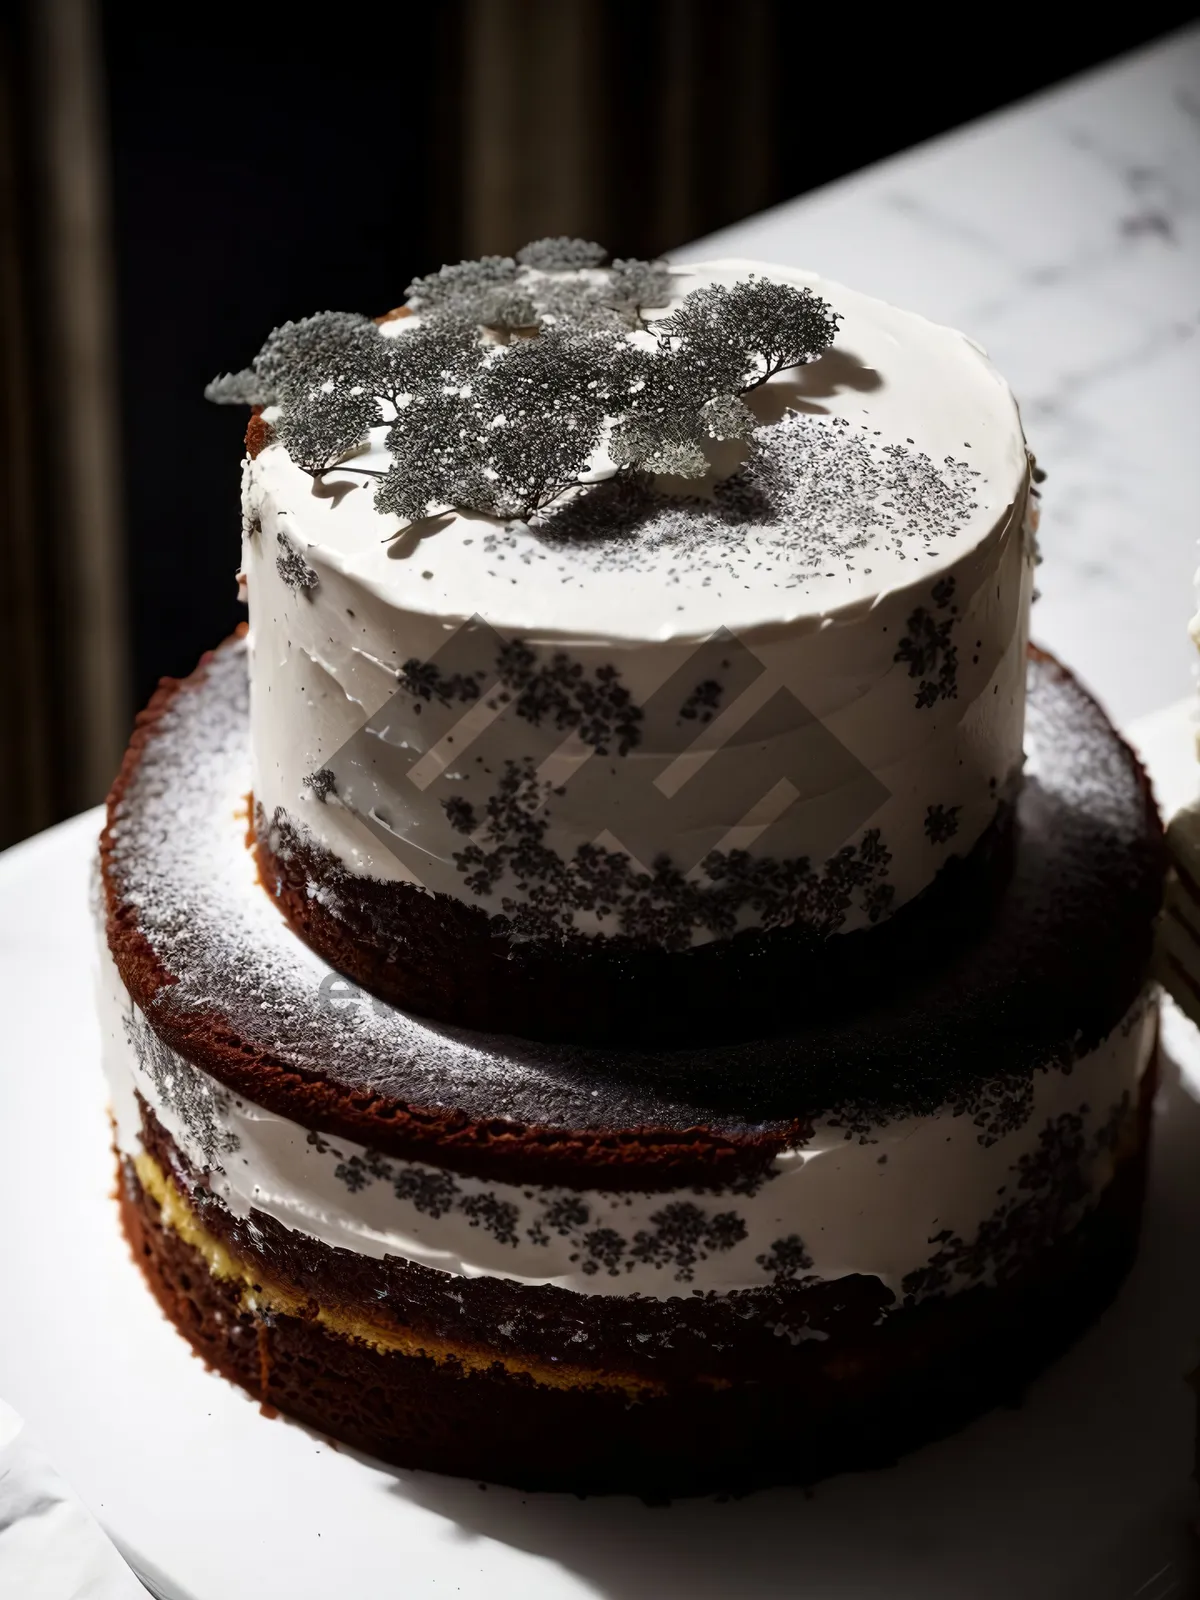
x,y
258,433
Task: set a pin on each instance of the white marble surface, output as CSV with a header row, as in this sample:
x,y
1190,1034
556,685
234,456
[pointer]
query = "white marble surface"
x,y
1064,235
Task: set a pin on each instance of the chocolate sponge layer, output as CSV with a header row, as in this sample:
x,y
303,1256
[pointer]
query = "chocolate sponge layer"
x,y
489,1380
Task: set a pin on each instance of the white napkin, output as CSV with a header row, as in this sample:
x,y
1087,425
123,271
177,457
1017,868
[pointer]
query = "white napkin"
x,y
50,1547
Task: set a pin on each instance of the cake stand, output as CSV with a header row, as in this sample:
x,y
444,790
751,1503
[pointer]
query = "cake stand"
x,y
1083,1493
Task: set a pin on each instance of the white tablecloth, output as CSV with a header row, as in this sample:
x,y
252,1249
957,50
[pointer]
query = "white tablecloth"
x,y
50,1547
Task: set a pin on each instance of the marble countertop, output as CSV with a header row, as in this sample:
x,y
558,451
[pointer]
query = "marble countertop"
x,y
1063,234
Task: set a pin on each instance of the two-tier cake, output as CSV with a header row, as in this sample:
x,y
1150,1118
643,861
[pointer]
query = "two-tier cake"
x,y
631,975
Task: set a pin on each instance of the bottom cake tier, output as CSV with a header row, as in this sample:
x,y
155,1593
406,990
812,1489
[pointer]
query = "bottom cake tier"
x,y
662,1271
303,1342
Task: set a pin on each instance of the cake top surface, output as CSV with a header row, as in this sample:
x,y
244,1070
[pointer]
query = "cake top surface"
x,y
885,456
966,1016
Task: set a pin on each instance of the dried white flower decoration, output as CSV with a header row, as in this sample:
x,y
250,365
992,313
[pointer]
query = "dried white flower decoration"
x,y
772,325
517,370
561,255
326,338
640,285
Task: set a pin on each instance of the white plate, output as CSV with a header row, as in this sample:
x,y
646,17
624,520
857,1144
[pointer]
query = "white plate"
x,y
1084,1493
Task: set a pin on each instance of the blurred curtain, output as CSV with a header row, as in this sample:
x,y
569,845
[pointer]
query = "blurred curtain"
x,y
641,123
63,699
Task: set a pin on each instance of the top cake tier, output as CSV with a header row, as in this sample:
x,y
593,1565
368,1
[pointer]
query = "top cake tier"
x,y
554,772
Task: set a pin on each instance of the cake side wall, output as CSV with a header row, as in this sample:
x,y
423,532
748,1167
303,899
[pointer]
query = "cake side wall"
x,y
551,783
670,710
611,1417
923,1204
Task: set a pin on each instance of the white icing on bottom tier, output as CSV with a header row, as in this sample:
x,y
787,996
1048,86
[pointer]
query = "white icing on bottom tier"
x,y
924,1203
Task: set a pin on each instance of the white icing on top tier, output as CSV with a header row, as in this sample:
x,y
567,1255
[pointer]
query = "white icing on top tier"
x,y
877,600
927,1196
894,377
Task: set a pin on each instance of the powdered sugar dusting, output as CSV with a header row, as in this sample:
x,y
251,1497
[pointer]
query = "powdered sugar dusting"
x,y
818,493
972,1030
180,858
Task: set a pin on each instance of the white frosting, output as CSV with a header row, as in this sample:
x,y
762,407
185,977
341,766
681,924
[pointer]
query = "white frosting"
x,y
842,746
879,1205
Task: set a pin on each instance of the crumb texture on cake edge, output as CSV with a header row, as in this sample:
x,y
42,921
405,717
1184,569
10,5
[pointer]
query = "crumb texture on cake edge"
x,y
909,1385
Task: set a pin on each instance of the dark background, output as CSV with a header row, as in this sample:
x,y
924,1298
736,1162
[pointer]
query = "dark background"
x,y
263,171
176,182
